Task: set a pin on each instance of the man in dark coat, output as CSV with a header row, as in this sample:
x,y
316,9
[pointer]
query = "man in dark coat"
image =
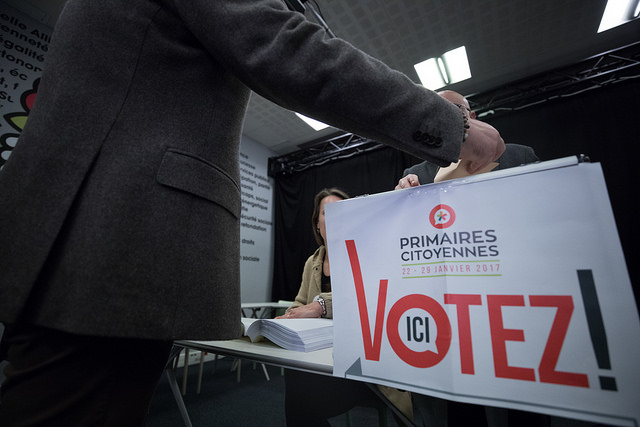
x,y
119,206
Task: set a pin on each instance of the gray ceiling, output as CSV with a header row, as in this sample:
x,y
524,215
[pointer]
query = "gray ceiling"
x,y
506,40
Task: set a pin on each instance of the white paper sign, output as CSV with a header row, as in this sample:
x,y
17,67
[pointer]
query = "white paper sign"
x,y
507,289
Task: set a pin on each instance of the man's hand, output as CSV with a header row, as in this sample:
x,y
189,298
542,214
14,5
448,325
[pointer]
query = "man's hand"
x,y
410,180
483,145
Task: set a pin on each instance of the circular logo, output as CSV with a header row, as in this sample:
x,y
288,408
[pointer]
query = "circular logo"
x,y
419,359
442,216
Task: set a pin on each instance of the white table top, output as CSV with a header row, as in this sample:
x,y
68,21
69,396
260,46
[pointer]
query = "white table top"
x,y
265,304
317,362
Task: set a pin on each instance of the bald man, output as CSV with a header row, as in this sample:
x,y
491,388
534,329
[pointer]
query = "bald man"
x,y
426,172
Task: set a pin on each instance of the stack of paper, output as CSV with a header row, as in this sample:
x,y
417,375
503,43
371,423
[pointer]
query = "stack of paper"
x,y
292,334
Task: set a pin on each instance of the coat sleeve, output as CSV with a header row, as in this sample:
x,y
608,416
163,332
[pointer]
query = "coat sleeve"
x,y
292,62
425,171
303,293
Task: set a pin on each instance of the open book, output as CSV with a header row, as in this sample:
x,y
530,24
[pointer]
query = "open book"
x,y
292,334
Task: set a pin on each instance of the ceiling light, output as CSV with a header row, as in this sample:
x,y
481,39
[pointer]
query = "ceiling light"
x,y
452,67
619,12
457,64
429,74
313,123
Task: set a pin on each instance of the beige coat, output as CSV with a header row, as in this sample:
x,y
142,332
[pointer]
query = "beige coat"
x,y
311,285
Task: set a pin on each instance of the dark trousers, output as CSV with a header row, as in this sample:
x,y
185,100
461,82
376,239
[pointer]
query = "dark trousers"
x,y
59,379
311,399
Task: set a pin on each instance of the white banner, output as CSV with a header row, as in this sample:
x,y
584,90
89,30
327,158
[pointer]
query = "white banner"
x,y
506,289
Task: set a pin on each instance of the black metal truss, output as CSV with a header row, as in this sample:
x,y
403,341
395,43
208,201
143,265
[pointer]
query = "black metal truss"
x,y
599,71
317,153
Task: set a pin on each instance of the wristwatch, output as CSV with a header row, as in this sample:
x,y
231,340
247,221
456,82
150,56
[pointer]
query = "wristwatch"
x,y
320,300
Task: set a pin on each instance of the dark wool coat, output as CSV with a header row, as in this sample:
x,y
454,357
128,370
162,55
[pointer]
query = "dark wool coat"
x,y
119,205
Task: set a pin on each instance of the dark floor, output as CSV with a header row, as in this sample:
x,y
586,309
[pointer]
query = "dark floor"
x,y
256,401
222,401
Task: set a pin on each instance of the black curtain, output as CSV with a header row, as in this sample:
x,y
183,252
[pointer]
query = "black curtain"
x,y
600,123
373,172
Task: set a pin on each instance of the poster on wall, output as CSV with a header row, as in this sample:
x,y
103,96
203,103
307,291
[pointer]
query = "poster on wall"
x,y
256,222
24,43
506,289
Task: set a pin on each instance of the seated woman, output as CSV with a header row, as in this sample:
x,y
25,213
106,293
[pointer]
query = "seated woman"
x,y
310,399
314,296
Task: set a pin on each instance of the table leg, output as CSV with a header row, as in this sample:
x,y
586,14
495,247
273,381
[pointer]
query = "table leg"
x,y
186,369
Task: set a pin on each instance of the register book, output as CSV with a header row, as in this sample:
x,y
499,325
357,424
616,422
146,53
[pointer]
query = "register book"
x,y
291,334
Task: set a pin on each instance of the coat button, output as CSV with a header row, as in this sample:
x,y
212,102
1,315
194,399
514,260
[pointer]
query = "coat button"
x,y
426,137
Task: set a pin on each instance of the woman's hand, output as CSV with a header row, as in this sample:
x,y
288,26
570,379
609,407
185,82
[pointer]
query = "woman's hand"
x,y
313,309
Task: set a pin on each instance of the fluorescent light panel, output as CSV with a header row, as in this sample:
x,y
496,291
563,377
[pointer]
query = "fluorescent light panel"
x,y
313,123
457,64
429,74
618,12
451,67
